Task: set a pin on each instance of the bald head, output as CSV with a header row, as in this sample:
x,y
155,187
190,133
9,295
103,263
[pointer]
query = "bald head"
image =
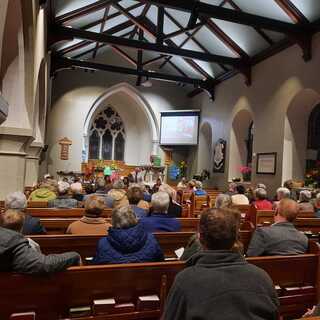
x,y
288,209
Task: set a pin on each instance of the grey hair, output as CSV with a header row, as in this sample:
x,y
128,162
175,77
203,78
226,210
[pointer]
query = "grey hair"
x,y
283,192
261,186
260,193
15,200
223,201
100,183
160,202
305,195
170,191
198,184
118,185
318,196
123,218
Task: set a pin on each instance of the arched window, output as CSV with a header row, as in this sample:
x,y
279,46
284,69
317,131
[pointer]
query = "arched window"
x,y
107,136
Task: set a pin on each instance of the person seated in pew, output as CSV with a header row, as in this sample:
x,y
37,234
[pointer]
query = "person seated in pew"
x,y
127,241
45,192
316,205
156,186
101,192
144,203
16,255
175,209
135,195
281,238
223,200
305,204
159,220
118,194
77,191
63,200
91,222
240,198
261,202
199,191
13,220
194,244
219,283
18,201
182,184
282,193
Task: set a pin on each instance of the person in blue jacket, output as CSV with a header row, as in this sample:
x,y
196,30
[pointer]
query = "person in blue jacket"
x,y
159,220
127,241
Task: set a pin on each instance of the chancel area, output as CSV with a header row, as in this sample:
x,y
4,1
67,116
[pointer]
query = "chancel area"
x,y
159,159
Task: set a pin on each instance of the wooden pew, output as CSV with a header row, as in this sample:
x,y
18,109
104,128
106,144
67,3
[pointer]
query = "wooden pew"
x,y
298,279
86,245
308,224
51,297
58,225
62,213
79,286
198,203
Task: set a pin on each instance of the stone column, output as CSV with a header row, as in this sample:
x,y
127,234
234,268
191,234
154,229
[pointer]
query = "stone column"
x,y
32,165
12,163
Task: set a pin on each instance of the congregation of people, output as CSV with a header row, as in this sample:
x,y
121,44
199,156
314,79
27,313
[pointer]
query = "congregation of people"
x,y
215,258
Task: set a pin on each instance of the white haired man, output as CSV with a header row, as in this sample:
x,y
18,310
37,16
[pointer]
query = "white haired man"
x,y
18,201
63,199
159,220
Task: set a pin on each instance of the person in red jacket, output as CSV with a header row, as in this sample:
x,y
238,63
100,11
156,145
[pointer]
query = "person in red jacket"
x,y
261,202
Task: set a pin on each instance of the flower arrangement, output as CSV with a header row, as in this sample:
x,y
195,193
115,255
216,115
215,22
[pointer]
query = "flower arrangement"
x,y
245,170
183,168
246,173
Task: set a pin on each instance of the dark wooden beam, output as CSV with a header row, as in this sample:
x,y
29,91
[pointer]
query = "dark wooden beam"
x,y
139,60
105,16
111,16
160,34
60,63
182,30
292,11
109,39
84,43
193,16
217,12
153,60
80,12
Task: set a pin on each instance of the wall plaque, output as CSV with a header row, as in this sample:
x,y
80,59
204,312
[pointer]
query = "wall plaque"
x,y
65,143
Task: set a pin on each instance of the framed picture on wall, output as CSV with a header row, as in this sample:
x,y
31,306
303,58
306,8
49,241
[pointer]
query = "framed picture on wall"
x,y
266,163
219,155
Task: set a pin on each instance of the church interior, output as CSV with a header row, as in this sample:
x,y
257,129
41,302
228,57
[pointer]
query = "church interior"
x,y
180,124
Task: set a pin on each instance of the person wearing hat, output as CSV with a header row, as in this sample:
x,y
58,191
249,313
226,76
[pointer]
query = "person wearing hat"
x,y
63,200
18,201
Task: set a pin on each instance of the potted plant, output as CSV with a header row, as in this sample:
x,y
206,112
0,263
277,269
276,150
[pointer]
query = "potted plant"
x,y
246,173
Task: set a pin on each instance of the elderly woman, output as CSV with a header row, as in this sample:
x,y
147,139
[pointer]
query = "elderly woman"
x,y
261,202
174,210
91,222
18,201
159,220
127,241
304,201
282,193
223,201
63,199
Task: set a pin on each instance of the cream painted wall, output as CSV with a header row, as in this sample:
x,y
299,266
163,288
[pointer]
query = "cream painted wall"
x,y
75,92
276,83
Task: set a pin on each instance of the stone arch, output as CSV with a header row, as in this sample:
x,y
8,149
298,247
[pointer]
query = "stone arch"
x,y
147,120
296,134
205,147
241,122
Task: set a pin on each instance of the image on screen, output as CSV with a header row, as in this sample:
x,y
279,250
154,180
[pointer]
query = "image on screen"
x,y
179,130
